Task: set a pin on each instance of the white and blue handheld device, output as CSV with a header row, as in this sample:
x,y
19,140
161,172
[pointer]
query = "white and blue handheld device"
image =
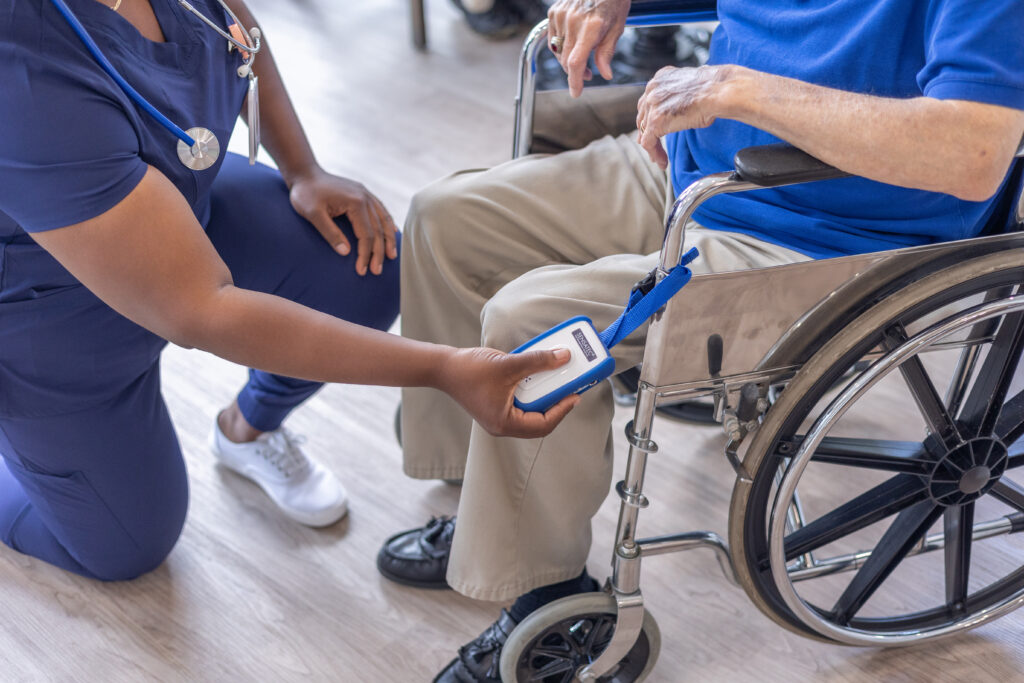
x,y
589,364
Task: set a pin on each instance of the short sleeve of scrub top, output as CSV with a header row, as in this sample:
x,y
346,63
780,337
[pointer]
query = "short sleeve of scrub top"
x,y
68,153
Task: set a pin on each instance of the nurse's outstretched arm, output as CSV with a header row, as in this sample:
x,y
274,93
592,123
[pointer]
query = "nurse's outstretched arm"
x,y
315,194
149,259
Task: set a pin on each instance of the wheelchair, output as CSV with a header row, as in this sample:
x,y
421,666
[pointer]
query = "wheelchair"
x,y
792,356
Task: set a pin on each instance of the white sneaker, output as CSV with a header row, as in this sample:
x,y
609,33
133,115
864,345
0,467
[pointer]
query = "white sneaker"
x,y
304,489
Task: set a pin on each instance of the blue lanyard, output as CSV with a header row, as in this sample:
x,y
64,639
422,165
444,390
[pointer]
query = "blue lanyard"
x,y
132,93
642,305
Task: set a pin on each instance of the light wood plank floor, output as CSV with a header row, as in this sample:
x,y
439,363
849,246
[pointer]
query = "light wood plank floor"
x,y
247,595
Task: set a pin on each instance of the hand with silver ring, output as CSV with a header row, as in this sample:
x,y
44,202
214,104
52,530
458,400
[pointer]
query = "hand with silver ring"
x,y
581,27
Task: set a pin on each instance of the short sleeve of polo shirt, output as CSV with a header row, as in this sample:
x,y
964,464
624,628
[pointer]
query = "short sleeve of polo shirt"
x,y
975,51
68,152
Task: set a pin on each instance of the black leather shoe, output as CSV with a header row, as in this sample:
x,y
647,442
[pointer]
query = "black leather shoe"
x,y
419,557
479,660
498,23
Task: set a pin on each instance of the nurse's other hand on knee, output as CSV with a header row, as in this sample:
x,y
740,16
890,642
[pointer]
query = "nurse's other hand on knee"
x,y
483,381
320,197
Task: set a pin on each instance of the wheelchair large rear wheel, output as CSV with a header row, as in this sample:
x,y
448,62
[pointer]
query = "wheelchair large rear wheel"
x,y
884,504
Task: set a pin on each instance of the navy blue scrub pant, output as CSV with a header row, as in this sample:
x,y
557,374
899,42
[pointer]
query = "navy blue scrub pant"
x,y
94,480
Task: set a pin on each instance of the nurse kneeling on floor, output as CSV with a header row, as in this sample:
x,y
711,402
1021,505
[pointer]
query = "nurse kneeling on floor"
x,y
122,226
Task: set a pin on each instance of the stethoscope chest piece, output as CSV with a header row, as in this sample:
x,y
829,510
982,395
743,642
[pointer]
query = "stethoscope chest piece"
x,y
203,154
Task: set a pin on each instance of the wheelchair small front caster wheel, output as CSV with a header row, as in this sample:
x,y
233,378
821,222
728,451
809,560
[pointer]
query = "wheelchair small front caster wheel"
x,y
553,643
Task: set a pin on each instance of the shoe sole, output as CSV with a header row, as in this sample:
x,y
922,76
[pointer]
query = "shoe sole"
x,y
391,576
310,521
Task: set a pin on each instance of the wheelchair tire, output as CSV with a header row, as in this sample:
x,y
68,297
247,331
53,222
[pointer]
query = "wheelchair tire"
x,y
962,460
551,644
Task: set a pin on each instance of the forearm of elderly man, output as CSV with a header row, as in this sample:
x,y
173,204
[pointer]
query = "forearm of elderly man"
x,y
957,147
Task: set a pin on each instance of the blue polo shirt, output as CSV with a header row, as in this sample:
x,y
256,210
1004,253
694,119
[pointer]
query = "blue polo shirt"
x,y
945,49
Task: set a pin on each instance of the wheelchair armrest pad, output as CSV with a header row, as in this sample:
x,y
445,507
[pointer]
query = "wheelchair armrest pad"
x,y
781,164
669,7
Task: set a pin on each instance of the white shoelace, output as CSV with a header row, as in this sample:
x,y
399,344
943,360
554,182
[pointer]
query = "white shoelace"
x,y
281,449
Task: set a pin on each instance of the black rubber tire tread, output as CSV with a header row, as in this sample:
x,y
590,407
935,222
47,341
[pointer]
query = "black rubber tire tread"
x,y
806,381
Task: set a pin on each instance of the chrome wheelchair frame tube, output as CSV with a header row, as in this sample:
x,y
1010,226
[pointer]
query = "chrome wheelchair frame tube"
x,y
526,88
689,199
625,581
851,561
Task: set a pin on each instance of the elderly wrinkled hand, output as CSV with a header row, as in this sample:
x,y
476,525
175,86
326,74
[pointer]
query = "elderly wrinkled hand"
x,y
678,99
578,27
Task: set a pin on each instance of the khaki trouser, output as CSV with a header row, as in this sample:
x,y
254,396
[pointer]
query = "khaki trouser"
x,y
494,258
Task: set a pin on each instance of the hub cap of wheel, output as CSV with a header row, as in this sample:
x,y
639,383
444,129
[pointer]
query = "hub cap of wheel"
x,y
967,472
567,646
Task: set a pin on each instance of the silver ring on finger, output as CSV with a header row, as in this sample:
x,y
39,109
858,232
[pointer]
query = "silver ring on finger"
x,y
556,43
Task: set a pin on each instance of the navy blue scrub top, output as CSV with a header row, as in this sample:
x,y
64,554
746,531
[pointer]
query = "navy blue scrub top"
x,y
73,145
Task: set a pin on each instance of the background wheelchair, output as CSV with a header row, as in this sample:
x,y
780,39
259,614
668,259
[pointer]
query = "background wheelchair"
x,y
830,511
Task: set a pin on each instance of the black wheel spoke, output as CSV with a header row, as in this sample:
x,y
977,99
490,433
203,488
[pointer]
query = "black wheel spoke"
x,y
984,330
874,454
982,408
958,530
1010,427
884,500
560,665
1009,492
552,652
600,629
899,538
931,405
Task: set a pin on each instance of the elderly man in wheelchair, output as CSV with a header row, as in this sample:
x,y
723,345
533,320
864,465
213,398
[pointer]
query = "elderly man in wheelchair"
x,y
829,271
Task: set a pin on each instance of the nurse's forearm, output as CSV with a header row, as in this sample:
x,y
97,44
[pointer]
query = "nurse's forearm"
x,y
276,335
280,131
150,260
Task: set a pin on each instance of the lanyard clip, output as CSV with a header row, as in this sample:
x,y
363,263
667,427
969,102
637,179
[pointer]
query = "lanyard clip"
x,y
646,285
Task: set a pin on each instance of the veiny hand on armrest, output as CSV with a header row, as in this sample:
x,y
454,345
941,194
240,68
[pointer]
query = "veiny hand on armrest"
x,y
150,260
958,147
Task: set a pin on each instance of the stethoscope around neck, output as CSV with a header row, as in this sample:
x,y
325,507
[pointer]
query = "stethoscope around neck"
x,y
198,148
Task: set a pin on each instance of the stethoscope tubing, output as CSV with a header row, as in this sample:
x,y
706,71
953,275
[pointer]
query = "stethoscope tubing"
x,y
243,47
132,93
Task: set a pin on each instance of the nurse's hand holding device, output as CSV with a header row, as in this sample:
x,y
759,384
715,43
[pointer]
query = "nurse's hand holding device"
x,y
590,360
